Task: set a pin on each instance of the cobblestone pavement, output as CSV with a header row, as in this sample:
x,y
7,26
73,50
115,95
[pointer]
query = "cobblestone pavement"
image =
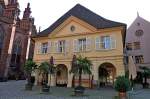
x,y
15,90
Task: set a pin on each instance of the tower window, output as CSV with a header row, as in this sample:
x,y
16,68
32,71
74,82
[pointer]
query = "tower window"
x,y
139,59
139,32
129,46
137,45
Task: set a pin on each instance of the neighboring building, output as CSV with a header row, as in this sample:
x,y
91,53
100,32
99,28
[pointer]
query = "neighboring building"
x,y
15,41
137,42
82,32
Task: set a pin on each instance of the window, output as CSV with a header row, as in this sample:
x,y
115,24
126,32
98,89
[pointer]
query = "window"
x,y
129,46
139,59
1,39
82,44
139,32
72,28
105,43
61,46
137,45
16,52
44,48
1,9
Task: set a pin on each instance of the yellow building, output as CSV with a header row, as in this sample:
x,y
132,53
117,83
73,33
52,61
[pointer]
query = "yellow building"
x,y
82,32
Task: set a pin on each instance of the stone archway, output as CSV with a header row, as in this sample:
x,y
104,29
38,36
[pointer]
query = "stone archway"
x,y
106,74
62,75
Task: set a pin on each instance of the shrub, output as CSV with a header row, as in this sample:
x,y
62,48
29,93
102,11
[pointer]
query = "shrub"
x,y
122,84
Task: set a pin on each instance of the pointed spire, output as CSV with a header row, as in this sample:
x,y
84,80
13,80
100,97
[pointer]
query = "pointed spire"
x,y
27,12
2,2
39,29
12,2
137,14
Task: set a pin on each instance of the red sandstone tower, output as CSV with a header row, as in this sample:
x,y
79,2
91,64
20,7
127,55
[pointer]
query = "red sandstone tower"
x,y
16,44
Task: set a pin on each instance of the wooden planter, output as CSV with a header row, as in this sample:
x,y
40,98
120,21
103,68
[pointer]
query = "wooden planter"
x,y
122,95
145,85
79,91
28,87
45,89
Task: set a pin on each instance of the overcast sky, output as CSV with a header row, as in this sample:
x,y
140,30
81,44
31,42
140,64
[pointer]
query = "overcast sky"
x,y
47,12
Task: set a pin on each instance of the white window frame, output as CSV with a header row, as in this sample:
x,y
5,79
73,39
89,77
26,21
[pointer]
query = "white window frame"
x,y
44,48
99,43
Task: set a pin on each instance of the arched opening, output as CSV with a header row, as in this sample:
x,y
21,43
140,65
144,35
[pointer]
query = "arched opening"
x,y
16,59
106,74
61,75
1,39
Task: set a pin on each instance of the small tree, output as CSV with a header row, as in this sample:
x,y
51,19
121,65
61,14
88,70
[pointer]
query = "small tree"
x,y
122,85
145,75
44,70
82,65
29,67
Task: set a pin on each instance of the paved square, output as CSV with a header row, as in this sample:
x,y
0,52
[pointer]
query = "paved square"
x,y
15,90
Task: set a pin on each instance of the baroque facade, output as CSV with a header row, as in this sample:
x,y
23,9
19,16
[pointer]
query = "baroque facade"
x,y
82,32
15,41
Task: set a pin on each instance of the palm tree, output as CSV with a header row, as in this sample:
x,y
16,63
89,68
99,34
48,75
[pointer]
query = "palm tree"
x,y
29,67
44,70
82,65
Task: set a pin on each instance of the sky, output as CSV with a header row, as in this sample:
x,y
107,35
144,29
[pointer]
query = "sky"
x,y
47,12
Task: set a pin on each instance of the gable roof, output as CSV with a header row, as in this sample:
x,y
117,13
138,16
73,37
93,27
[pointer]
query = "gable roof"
x,y
84,14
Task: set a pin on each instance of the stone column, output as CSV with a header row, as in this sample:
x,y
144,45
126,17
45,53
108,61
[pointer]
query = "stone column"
x,y
70,76
52,80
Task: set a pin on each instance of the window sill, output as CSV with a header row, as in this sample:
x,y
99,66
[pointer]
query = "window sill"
x,y
105,50
82,51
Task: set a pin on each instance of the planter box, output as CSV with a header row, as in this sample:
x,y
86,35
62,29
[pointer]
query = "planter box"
x,y
122,95
28,87
45,89
79,91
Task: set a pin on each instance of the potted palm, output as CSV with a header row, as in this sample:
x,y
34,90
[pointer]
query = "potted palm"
x,y
29,67
122,85
145,75
44,70
81,65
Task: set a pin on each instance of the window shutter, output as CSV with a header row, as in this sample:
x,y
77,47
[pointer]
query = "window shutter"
x,y
97,43
56,47
38,48
49,47
113,42
75,46
67,46
88,44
